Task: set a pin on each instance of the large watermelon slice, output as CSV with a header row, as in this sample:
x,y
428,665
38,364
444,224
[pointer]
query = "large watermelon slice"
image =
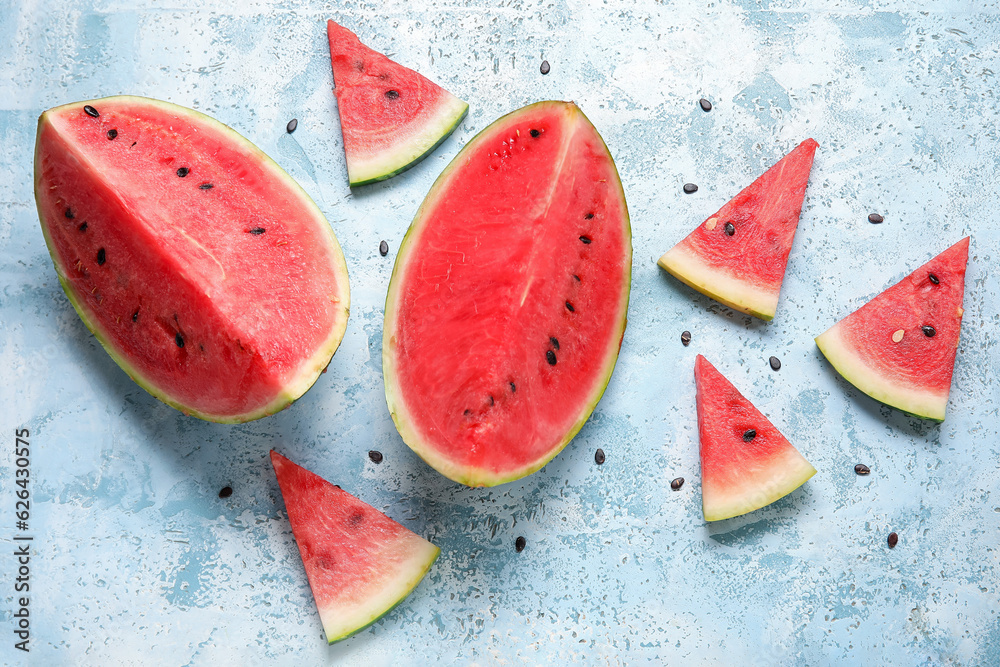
x,y
507,303
391,117
203,269
745,462
738,255
899,348
360,563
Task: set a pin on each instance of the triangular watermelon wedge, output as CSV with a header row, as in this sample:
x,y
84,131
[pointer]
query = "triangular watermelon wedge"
x,y
744,269
360,563
899,348
391,116
745,462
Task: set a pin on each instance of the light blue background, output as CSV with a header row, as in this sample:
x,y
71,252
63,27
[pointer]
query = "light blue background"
x,y
136,557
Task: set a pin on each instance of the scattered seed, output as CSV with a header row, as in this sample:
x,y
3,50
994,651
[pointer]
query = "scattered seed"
x,y
112,134
292,124
677,483
135,316
375,456
599,457
570,307
730,230
383,248
257,231
513,387
690,188
520,543
91,111
775,363
554,341
586,240
183,171
179,339
934,279
392,94
226,492
69,213
589,216
550,356
544,69
101,257
685,338
893,540
897,335
705,104
534,133
205,186
749,435
928,330
862,469
875,218
83,227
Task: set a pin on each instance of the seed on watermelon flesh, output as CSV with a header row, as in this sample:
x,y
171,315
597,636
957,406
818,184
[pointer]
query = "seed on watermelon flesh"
x,y
740,474
359,562
745,270
899,348
391,117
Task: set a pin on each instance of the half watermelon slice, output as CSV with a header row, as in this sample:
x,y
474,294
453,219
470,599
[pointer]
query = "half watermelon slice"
x,y
738,255
746,463
360,563
899,348
391,117
507,302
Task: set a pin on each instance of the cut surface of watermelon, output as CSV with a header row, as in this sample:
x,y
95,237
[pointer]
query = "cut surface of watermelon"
x,y
744,269
899,348
360,563
203,269
740,472
507,302
391,116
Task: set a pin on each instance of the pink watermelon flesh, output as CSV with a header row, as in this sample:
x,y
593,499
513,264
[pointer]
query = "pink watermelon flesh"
x,y
739,473
391,116
223,292
914,372
507,303
360,563
745,270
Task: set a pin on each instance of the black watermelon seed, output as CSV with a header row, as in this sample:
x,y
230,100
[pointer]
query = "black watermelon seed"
x,y
112,134
677,484
586,240
934,279
705,104
183,171
576,277
690,188
356,519
392,94
135,316
775,363
383,248
570,307
292,124
101,257
492,401
685,338
589,216
205,186
875,218
375,456
91,111
226,492
467,413
535,133
862,469
554,341
599,457
550,356
513,387
133,143
179,339
928,330
545,68
69,213
730,230
749,435
893,540
83,227
257,231
520,543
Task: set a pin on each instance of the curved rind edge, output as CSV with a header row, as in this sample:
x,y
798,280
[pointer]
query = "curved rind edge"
x,y
795,472
710,281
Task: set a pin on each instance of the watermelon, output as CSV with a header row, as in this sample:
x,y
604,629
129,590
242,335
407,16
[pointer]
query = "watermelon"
x,y
203,269
738,255
507,302
359,562
899,348
745,462
391,117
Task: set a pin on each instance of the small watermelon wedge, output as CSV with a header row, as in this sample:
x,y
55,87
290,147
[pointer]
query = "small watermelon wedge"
x,y
899,348
738,255
360,563
745,462
391,116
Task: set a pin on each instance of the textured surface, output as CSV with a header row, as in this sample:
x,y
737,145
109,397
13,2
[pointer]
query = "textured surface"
x,y
136,555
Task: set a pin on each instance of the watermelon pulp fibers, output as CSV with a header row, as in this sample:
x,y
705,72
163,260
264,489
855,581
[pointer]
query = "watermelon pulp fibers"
x,y
203,269
391,117
745,269
740,472
507,302
924,312
360,563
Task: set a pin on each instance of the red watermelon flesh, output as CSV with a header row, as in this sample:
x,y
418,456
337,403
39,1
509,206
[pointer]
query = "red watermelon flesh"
x,y
507,303
745,270
360,563
740,472
914,372
206,272
391,116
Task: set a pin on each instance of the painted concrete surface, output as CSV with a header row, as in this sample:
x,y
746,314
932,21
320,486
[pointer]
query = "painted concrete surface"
x,y
137,559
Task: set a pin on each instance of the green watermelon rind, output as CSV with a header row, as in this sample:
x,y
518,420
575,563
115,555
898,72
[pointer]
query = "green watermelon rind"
x,y
715,282
476,477
788,475
311,368
911,400
391,163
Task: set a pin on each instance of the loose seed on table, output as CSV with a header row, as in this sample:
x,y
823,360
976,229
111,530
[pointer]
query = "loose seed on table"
x,y
375,456
875,218
676,484
685,338
292,124
690,188
893,540
544,69
862,469
520,543
705,104
226,492
775,363
383,248
599,457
